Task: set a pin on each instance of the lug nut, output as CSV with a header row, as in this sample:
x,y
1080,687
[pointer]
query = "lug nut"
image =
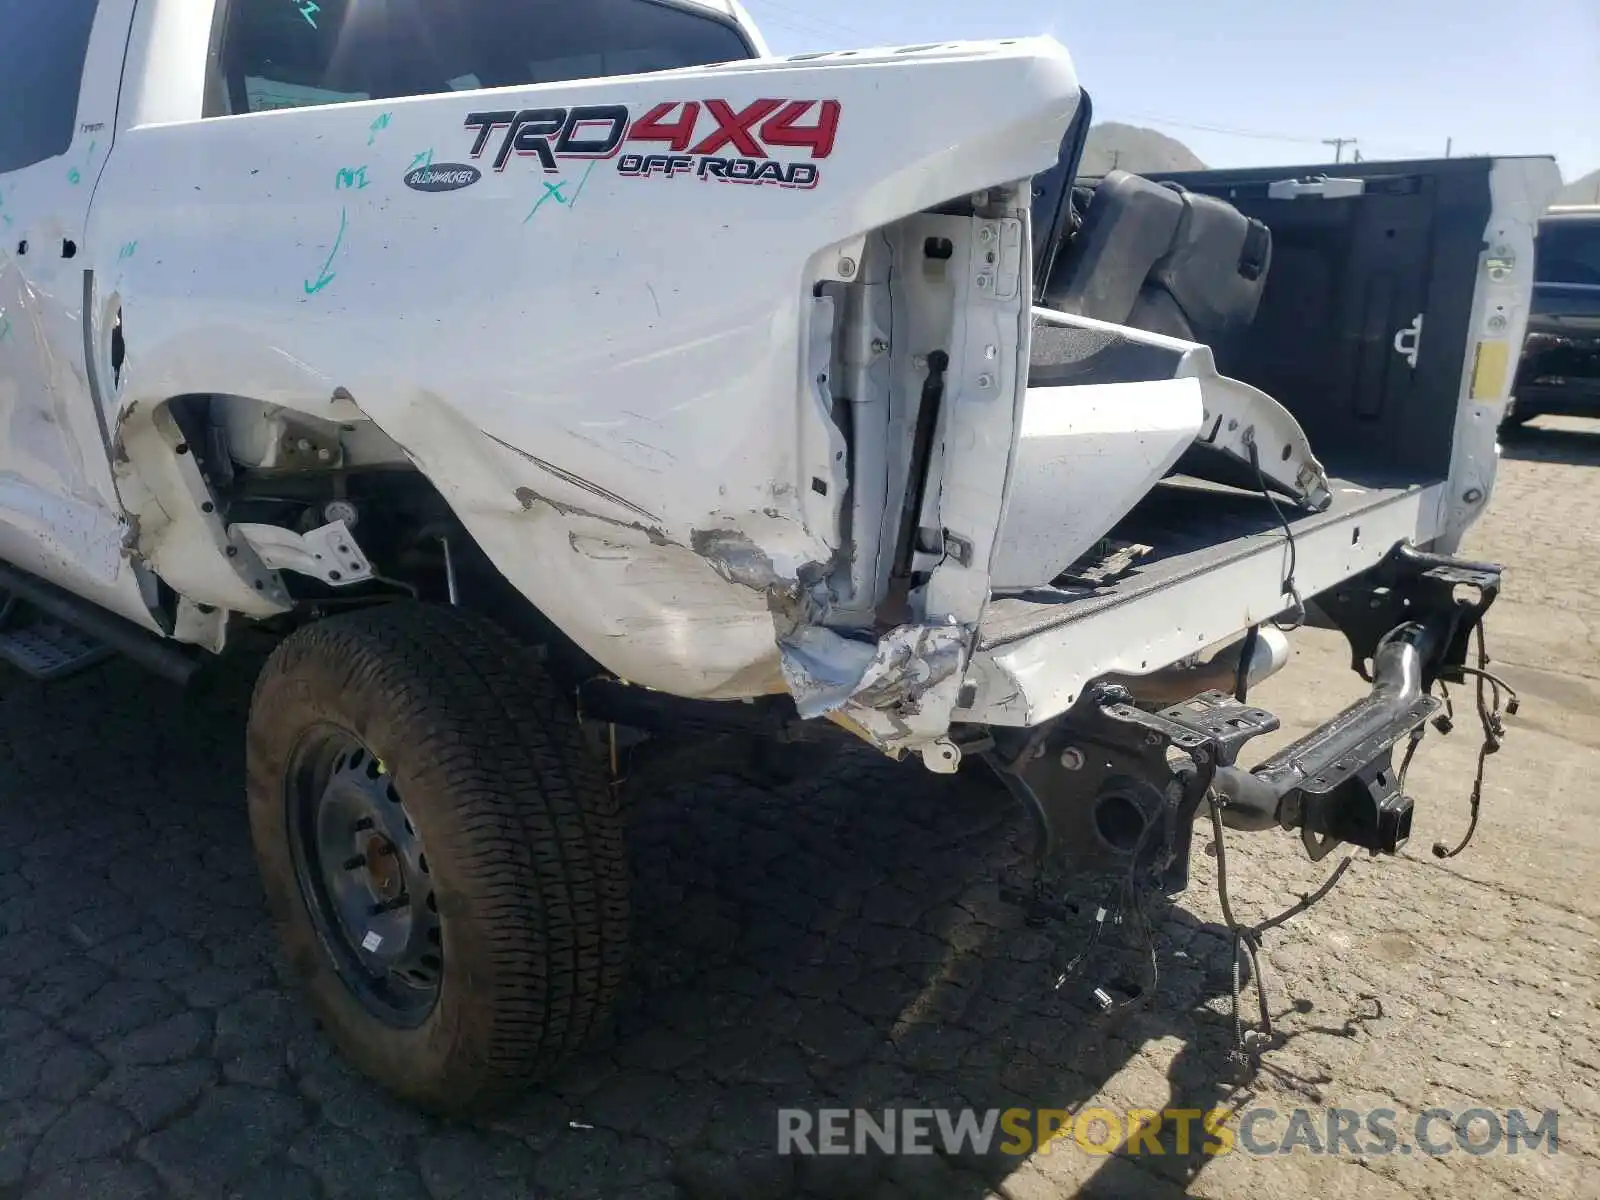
x,y
363,824
356,863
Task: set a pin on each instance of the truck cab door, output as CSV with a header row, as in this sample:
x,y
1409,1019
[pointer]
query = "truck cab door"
x,y
60,73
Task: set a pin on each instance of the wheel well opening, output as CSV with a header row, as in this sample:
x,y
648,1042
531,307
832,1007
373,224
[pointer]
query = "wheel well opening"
x,y
263,464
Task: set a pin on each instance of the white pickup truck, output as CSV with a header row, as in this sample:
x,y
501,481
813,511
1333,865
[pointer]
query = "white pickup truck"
x,y
535,368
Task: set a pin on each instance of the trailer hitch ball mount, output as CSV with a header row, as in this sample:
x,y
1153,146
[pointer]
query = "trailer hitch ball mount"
x,y
1113,787
1118,788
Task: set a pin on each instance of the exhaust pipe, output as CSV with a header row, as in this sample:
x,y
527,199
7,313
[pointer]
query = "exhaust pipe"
x,y
1220,673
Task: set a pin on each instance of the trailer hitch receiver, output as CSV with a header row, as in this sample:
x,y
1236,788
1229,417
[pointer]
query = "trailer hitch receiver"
x,y
1339,783
1115,787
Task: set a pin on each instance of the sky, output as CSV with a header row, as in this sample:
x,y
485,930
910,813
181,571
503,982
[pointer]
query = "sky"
x,y
1262,82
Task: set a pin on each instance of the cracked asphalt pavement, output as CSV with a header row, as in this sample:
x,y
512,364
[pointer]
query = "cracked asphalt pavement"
x,y
837,943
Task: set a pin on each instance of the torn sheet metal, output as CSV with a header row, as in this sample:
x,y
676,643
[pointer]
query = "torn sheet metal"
x,y
1087,454
1258,434
822,669
1246,437
175,527
898,694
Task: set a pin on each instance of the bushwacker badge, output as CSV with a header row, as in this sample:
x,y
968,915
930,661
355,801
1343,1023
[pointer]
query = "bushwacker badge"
x,y
442,177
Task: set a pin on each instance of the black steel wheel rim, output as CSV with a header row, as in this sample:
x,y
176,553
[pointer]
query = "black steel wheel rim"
x,y
364,876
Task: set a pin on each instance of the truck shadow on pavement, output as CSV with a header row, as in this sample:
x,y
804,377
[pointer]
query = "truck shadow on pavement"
x,y
839,943
844,944
1536,443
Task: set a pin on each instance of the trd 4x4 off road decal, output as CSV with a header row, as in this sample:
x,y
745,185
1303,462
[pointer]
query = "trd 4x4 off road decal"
x,y
707,139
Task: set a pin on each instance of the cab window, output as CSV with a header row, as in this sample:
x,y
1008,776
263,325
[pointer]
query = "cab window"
x,y
41,74
293,53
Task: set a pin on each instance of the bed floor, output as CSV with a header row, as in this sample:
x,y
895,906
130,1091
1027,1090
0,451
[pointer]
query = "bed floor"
x,y
1192,527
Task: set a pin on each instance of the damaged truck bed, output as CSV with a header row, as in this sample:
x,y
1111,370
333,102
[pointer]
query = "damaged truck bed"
x,y
541,379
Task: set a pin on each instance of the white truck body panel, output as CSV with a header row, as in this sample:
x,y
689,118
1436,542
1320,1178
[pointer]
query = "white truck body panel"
x,y
1081,448
1520,192
606,376
615,353
1030,680
59,513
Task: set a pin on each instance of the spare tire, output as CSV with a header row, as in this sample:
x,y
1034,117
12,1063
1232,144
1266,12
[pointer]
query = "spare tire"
x,y
443,858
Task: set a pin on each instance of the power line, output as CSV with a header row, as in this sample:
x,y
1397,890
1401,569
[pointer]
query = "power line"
x,y
812,37
800,21
1262,135
817,38
843,26
814,26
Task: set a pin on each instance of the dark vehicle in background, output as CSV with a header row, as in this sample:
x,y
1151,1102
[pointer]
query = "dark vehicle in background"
x,y
1560,369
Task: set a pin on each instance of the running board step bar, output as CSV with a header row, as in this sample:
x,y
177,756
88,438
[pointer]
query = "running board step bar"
x,y
89,624
45,649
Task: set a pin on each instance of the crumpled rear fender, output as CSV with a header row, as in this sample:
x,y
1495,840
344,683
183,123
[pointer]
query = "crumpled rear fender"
x,y
625,376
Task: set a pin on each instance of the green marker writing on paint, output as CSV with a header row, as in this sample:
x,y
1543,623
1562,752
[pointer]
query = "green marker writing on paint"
x,y
552,191
73,176
325,276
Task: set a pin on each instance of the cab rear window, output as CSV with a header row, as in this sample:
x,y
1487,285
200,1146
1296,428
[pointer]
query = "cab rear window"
x,y
294,53
41,70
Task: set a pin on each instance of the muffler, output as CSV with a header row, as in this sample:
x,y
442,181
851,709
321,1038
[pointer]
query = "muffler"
x,y
1269,654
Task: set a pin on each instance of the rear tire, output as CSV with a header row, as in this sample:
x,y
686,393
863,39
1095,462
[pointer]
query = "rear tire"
x,y
442,857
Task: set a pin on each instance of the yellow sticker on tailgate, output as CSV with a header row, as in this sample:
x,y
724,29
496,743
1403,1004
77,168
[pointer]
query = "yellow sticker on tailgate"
x,y
1489,370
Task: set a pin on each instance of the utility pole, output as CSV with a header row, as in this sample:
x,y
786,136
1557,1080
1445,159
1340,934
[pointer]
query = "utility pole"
x,y
1448,142
1338,145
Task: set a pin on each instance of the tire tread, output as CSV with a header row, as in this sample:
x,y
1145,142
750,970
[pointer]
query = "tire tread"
x,y
535,824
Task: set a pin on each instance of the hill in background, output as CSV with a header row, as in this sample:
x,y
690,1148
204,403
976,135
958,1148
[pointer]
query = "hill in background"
x,y
1585,190
1135,149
